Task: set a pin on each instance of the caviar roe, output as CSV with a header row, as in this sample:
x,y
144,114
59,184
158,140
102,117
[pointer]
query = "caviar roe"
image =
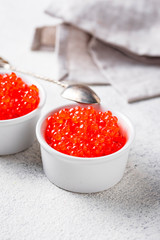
x,y
84,132
16,97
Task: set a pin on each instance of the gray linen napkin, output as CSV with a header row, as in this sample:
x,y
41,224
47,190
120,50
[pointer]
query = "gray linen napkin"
x,y
129,55
44,38
73,57
133,26
136,81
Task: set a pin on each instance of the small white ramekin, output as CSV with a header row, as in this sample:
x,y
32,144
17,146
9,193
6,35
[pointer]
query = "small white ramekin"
x,y
84,175
18,134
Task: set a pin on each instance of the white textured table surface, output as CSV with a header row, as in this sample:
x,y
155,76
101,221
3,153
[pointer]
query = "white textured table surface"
x,y
33,208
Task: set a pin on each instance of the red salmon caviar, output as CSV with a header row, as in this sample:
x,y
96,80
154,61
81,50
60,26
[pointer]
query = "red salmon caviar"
x,y
16,97
84,132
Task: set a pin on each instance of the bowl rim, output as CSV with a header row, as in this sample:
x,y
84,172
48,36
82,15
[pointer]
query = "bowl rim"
x,y
109,157
29,80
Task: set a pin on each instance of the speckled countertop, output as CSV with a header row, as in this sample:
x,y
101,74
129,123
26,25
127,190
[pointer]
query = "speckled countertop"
x,y
33,208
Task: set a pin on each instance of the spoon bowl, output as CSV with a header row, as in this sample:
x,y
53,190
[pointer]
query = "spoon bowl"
x,y
80,93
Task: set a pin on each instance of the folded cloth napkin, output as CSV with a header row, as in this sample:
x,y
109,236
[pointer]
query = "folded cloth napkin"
x,y
131,25
110,42
73,56
44,38
137,81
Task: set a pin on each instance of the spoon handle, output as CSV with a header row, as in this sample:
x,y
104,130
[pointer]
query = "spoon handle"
x,y
40,76
58,82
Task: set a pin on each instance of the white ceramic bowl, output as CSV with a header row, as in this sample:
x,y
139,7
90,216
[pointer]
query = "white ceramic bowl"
x,y
19,133
84,175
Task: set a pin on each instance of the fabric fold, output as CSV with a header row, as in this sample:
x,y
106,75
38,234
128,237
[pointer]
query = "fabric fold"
x,y
74,58
103,42
130,25
133,80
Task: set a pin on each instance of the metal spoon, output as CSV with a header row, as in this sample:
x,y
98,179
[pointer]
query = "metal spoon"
x,y
76,92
